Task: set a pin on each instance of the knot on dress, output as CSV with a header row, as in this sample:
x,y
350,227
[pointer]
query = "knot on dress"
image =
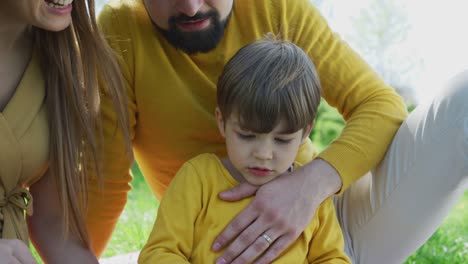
x,y
13,206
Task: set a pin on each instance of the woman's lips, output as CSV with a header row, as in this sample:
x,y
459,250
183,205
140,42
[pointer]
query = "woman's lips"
x,y
59,7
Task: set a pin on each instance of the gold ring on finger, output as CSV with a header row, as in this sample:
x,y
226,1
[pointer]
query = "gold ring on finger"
x,y
267,238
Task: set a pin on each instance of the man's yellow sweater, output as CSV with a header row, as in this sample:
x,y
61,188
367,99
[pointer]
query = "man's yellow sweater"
x,y
172,98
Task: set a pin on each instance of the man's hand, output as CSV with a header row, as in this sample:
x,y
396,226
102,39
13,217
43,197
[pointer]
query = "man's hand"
x,y
15,251
281,210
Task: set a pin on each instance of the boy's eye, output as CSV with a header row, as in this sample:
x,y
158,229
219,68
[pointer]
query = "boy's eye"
x,y
282,140
246,136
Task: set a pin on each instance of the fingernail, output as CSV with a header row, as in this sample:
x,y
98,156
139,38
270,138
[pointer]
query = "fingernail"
x,y
221,261
216,246
225,193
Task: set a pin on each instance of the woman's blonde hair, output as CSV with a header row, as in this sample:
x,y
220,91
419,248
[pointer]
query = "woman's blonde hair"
x,y
77,63
267,81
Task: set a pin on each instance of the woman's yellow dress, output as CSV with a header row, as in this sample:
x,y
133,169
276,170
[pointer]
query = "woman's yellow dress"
x,y
24,150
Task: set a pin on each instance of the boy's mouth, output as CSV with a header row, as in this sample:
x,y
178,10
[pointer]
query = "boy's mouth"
x,y
258,171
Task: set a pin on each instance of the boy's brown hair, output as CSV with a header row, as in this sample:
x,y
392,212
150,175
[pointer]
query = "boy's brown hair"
x,y
266,81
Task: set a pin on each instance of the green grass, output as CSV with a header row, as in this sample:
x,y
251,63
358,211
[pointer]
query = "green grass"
x,y
449,244
136,221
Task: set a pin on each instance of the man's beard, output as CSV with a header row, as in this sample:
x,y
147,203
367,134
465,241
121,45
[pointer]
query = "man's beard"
x,y
198,41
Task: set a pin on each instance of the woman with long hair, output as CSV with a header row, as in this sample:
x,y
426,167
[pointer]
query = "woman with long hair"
x,y
55,67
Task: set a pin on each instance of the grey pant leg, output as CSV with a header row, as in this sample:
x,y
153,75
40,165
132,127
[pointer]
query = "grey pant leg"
x,y
390,212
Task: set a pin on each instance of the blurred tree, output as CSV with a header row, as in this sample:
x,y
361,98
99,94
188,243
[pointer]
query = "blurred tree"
x,y
380,32
99,4
326,8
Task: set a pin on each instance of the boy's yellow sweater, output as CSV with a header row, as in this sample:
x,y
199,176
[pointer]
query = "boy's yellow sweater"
x,y
191,215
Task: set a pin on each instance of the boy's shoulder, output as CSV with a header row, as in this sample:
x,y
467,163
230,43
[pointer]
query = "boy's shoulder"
x,y
204,170
203,164
204,159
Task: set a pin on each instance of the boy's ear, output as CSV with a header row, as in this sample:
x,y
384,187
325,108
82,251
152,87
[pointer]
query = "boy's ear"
x,y
219,121
307,130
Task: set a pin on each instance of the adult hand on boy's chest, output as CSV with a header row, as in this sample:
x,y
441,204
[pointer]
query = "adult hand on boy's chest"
x,y
281,209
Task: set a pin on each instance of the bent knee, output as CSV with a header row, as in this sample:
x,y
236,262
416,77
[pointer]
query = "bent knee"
x,y
456,93
458,101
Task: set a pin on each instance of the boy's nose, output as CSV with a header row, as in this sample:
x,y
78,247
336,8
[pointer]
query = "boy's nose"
x,y
189,7
263,152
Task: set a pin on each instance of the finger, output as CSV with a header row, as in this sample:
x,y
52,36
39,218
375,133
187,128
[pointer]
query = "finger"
x,y
235,227
239,192
21,251
257,248
243,241
275,249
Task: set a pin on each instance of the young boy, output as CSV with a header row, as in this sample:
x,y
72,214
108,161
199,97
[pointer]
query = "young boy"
x,y
268,96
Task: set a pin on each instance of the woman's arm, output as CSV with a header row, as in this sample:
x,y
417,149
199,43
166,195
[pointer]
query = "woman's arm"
x,y
45,227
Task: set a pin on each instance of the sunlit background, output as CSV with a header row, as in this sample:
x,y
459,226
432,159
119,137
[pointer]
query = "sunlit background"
x,y
415,45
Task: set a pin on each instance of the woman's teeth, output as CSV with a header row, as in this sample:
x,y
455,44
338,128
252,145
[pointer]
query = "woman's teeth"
x,y
59,3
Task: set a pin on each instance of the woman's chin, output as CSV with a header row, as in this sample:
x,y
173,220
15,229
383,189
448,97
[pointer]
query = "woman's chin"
x,y
55,18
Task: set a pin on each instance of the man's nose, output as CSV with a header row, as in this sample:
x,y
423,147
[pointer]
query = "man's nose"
x,y
189,7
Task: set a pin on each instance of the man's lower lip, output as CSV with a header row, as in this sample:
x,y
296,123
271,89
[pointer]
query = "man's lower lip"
x,y
194,26
259,172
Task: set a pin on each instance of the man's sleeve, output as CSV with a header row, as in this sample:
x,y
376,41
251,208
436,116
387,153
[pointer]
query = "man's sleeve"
x,y
372,110
108,197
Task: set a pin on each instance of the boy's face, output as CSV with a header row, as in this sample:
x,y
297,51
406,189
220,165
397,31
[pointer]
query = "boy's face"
x,y
259,158
190,25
